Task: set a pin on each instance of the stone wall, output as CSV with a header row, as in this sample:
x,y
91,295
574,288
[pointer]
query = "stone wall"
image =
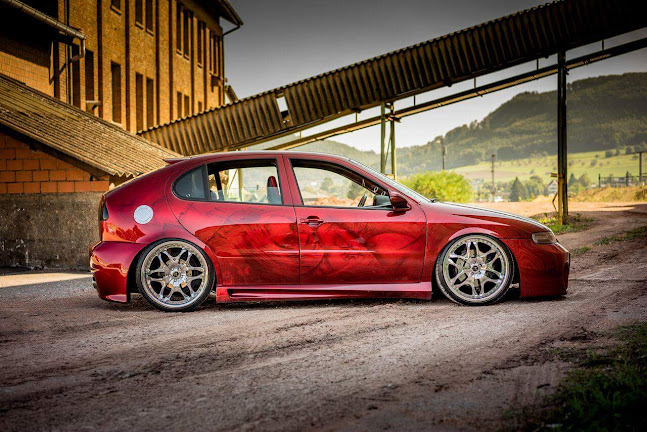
x,y
48,230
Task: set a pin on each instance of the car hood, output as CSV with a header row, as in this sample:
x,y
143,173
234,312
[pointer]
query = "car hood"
x,y
494,219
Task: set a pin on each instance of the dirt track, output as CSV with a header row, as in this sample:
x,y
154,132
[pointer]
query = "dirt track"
x,y
70,361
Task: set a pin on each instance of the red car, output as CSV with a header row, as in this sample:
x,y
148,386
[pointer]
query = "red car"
x,y
288,225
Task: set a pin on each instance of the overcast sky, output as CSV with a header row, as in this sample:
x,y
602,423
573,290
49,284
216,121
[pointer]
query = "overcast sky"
x,y
283,41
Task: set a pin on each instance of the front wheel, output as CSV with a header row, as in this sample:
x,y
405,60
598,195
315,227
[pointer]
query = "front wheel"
x,y
474,270
174,275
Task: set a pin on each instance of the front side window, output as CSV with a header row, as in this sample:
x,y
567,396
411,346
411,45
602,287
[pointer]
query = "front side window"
x,y
330,185
248,181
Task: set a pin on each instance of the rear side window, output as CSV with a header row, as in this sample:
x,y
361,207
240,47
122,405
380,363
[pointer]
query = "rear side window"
x,y
192,185
246,181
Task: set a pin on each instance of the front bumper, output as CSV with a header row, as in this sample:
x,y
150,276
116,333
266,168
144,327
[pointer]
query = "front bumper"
x,y
543,269
109,264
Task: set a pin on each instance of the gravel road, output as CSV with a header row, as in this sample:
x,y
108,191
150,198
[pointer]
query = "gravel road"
x,y
70,361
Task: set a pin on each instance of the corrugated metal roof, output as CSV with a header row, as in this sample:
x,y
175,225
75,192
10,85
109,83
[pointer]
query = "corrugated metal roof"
x,y
75,133
482,49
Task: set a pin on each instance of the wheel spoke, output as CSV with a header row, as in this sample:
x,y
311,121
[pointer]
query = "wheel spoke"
x,y
455,278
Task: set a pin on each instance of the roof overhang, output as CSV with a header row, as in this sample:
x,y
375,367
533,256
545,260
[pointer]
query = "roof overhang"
x,y
476,51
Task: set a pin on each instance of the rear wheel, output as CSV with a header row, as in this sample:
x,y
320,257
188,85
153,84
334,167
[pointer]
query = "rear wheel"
x,y
174,275
475,270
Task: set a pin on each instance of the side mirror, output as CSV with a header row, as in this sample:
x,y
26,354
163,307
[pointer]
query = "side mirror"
x,y
399,202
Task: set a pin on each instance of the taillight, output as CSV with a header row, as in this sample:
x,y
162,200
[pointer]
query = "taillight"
x,y
103,216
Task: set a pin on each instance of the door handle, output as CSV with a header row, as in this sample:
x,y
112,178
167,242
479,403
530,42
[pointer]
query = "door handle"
x,y
313,221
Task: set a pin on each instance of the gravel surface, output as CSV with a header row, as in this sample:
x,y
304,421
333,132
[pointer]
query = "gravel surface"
x,y
70,361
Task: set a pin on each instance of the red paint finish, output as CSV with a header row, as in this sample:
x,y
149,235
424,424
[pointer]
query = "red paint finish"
x,y
253,244
109,264
543,269
294,251
361,245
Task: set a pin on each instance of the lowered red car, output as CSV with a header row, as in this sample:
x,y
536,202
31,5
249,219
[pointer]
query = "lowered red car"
x,y
288,225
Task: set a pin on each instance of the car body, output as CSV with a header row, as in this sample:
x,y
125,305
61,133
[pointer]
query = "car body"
x,y
284,237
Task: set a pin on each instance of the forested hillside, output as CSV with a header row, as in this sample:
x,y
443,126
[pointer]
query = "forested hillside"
x,y
605,112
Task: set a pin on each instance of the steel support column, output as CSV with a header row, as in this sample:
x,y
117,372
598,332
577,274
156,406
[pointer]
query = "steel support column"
x,y
387,147
392,142
562,150
382,139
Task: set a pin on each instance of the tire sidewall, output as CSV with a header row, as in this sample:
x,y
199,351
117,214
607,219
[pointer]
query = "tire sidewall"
x,y
140,284
440,280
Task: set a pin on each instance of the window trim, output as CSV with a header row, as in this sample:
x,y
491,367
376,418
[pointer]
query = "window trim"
x,y
116,9
205,173
303,204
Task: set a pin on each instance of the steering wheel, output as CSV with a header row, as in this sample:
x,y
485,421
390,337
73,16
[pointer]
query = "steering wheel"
x,y
362,201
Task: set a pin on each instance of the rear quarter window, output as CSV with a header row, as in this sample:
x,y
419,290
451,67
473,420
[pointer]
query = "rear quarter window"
x,y
191,185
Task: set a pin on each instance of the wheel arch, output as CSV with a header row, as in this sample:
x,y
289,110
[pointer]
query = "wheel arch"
x,y
131,282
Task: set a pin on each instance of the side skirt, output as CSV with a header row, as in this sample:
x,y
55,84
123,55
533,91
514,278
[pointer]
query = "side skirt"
x,y
421,290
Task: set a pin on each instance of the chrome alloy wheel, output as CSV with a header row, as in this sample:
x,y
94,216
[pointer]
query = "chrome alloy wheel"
x,y
475,270
174,275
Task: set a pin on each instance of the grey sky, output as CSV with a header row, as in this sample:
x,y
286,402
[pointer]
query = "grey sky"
x,y
283,41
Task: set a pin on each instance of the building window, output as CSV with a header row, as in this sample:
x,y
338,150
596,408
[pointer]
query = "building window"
x,y
179,105
89,75
149,15
201,47
115,4
150,103
76,79
115,73
139,12
186,33
178,28
212,51
139,101
187,106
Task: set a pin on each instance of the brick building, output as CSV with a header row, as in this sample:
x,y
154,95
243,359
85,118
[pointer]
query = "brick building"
x,y
77,79
137,63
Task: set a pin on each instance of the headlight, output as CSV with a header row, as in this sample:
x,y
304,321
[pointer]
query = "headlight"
x,y
544,237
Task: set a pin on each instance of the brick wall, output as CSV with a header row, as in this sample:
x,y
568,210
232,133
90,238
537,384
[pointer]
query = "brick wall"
x,y
29,53
27,62
27,171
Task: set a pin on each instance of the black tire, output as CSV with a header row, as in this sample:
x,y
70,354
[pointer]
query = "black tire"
x,y
147,289
507,259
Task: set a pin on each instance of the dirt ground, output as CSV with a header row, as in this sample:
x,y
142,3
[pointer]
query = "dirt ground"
x,y
70,361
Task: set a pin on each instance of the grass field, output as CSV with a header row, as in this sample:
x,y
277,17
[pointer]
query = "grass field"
x,y
579,163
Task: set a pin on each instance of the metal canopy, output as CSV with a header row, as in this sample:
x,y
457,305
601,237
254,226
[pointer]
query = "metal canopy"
x,y
467,54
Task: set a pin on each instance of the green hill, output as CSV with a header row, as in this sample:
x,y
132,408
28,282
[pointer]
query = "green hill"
x,y
604,113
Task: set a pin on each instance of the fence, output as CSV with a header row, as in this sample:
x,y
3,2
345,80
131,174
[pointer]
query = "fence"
x,y
621,181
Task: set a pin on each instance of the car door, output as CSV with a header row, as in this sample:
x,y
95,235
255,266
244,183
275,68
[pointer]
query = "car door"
x,y
345,243
237,208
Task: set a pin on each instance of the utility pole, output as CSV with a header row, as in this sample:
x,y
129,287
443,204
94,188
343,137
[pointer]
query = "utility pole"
x,y
493,187
562,151
444,150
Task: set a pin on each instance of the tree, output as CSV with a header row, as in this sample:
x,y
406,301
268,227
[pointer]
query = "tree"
x,y
572,180
444,185
355,191
584,180
516,191
327,184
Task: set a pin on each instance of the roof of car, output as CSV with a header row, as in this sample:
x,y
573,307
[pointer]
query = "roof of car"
x,y
258,153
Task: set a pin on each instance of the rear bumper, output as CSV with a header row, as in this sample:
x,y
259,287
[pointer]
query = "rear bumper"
x,y
109,264
543,269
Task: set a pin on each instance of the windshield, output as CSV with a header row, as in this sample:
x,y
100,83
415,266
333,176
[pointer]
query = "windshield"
x,y
392,182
